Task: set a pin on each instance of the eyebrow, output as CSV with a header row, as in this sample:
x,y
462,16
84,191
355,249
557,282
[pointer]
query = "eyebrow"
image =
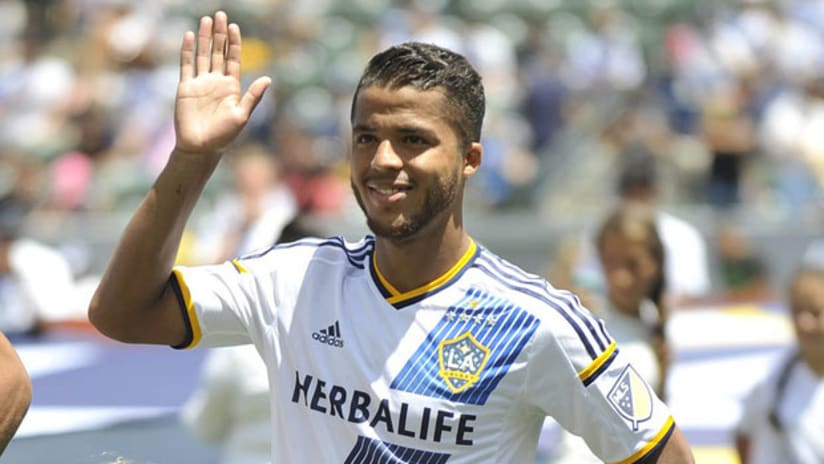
x,y
402,129
362,128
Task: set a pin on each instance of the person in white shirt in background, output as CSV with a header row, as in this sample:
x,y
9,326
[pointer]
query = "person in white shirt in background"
x,y
632,257
36,281
231,405
252,214
783,416
686,269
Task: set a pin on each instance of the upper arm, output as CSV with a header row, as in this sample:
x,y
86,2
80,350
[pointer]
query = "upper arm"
x,y
598,395
162,323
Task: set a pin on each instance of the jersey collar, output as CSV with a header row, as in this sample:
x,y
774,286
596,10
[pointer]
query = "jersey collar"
x,y
402,299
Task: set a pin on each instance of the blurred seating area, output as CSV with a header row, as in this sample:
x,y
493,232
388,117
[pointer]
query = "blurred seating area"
x,y
727,96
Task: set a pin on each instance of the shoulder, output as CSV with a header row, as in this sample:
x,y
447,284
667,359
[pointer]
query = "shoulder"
x,y
567,327
335,251
529,290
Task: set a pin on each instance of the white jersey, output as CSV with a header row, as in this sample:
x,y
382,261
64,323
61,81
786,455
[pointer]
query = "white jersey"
x,y
461,370
784,416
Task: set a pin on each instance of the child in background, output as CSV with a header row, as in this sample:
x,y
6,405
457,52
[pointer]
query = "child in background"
x,y
783,418
631,255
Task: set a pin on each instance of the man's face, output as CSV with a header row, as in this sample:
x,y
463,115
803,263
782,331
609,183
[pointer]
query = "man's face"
x,y
407,165
807,302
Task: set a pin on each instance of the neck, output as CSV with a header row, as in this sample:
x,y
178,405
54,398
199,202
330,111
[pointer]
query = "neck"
x,y
414,262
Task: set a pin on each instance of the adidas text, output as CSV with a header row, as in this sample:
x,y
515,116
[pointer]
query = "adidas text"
x,y
329,340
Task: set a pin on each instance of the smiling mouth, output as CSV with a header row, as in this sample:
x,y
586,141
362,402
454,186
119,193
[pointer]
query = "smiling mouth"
x,y
388,190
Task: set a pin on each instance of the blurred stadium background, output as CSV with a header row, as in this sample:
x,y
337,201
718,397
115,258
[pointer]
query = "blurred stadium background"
x,y
726,96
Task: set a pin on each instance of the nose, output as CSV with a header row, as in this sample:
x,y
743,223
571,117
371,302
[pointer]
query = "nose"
x,y
386,157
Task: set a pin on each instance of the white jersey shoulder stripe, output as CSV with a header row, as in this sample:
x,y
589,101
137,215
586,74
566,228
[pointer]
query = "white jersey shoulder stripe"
x,y
356,253
569,299
590,332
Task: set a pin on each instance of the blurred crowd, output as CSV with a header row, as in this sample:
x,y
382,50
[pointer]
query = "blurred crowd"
x,y
726,98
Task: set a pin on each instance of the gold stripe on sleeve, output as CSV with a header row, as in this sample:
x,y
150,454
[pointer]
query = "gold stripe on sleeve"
x,y
665,430
194,324
240,268
597,363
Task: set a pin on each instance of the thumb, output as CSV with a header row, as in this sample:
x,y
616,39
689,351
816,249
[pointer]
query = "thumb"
x,y
254,94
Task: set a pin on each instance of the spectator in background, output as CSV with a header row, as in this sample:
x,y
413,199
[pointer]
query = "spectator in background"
x,y
729,132
231,404
252,214
15,392
783,418
632,257
686,269
743,271
36,281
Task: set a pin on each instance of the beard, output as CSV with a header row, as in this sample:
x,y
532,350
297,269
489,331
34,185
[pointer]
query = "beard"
x,y
437,199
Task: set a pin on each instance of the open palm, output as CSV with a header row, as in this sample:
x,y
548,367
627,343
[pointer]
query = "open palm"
x,y
209,109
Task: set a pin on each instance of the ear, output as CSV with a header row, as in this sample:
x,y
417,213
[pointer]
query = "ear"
x,y
472,159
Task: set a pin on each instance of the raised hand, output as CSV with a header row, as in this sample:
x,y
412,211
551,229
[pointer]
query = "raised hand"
x,y
209,110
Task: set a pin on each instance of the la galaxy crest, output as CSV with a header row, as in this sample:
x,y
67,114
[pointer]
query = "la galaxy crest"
x,y
461,361
631,397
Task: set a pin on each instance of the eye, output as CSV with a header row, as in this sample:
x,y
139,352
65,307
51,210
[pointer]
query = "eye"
x,y
413,139
363,139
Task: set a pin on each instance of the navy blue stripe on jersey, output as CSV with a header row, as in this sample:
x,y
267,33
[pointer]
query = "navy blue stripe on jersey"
x,y
371,451
355,256
498,326
567,298
584,324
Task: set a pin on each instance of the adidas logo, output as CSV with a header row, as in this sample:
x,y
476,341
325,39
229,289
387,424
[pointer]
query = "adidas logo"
x,y
330,335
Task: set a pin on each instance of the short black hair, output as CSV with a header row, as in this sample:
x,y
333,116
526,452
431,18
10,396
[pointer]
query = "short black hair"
x,y
427,67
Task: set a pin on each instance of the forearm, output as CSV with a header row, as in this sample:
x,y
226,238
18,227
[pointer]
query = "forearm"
x,y
135,281
15,392
676,450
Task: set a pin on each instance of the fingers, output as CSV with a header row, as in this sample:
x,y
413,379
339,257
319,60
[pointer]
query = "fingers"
x,y
187,56
212,54
219,42
233,52
204,39
253,96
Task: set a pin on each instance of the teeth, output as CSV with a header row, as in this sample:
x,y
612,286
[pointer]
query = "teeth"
x,y
386,191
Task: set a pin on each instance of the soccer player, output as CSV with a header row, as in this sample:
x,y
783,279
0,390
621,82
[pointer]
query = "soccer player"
x,y
416,344
15,392
783,419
